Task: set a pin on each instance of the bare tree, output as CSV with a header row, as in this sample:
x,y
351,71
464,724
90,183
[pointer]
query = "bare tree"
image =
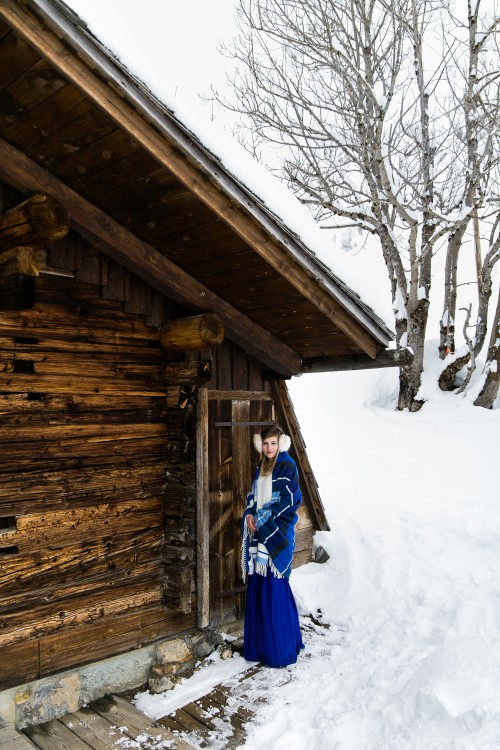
x,y
359,98
480,103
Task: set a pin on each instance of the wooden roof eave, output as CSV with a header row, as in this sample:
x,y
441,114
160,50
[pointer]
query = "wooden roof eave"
x,y
384,358
145,261
93,70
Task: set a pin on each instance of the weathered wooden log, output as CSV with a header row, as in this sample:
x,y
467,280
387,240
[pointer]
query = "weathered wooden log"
x,y
16,627
189,373
33,383
39,531
192,334
54,363
19,261
90,318
91,641
82,408
75,570
72,489
36,221
66,451
19,663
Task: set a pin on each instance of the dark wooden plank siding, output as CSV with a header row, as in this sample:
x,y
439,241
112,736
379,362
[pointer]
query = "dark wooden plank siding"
x,y
235,370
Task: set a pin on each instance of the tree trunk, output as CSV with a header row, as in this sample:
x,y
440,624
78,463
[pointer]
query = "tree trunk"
x,y
447,324
410,376
447,377
490,388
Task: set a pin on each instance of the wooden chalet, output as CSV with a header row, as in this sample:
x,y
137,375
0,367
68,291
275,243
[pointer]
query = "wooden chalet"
x,y
151,310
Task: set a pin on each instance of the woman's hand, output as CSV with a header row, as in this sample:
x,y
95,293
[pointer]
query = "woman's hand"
x,y
251,523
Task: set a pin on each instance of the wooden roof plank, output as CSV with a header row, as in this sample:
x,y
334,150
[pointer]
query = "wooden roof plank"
x,y
33,86
33,126
15,59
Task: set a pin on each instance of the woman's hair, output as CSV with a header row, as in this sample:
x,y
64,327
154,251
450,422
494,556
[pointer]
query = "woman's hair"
x,y
267,464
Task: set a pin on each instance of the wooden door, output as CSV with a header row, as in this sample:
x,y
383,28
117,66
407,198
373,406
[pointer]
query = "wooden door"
x,y
232,419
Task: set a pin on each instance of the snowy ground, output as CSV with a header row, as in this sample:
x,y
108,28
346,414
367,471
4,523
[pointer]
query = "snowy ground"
x,y
411,593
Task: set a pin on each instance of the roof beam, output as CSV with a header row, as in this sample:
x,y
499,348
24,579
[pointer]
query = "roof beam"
x,y
144,260
387,358
204,177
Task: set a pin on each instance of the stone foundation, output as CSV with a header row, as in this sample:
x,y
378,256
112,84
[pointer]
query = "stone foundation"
x,y
177,658
158,666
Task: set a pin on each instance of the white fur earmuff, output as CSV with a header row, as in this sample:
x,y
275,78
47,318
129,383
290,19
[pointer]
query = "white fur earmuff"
x,y
283,444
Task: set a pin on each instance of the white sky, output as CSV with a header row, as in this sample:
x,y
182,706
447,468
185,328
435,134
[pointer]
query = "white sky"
x,y
177,36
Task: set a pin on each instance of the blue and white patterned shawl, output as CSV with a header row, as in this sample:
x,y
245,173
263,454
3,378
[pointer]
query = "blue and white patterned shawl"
x,y
272,545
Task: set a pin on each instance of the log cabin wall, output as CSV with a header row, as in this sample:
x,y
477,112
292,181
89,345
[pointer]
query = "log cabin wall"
x,y
91,442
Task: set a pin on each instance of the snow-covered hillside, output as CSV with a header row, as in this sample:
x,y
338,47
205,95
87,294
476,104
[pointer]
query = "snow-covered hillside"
x,y
412,592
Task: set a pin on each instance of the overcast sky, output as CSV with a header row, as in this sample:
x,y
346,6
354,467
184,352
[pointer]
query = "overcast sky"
x,y
179,37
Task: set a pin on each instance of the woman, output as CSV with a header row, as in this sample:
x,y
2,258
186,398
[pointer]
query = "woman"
x,y
272,632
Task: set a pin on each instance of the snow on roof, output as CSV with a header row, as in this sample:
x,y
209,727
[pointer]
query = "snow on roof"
x,y
274,196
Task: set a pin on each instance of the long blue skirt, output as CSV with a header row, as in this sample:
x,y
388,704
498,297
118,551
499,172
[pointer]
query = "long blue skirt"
x,y
272,631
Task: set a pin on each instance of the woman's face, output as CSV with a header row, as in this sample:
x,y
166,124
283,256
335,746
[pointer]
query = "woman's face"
x,y
270,446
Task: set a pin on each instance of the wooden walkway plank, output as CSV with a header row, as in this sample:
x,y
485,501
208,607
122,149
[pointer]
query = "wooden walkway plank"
x,y
10,739
219,711
190,730
220,726
121,713
170,723
232,702
55,736
189,723
92,728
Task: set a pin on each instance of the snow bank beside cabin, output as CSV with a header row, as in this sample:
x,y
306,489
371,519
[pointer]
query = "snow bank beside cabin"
x,y
137,39
411,660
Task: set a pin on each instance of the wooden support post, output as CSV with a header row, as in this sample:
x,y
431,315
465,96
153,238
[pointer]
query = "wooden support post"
x,y
36,221
189,373
192,334
202,513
